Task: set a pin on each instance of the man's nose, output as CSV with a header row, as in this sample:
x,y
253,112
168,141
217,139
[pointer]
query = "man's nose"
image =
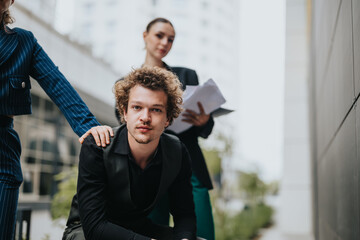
x,y
145,115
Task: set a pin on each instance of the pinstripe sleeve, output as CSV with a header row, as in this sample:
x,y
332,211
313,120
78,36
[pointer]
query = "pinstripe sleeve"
x,y
60,91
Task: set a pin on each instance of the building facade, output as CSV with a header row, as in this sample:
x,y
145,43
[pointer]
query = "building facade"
x,y
206,35
335,129
45,9
295,213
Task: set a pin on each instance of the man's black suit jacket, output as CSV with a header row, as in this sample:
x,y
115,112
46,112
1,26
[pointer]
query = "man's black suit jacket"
x,y
104,203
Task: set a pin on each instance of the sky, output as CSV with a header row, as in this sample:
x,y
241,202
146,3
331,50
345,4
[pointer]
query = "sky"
x,y
262,59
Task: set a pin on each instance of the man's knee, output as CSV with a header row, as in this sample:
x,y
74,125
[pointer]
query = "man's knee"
x,y
74,233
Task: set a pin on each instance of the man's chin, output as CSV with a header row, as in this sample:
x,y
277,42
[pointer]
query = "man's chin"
x,y
143,141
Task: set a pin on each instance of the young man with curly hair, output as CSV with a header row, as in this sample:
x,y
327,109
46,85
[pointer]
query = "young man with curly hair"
x,y
119,185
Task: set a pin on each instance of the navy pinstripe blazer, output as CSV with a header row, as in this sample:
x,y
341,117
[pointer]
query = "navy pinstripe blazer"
x,y
21,57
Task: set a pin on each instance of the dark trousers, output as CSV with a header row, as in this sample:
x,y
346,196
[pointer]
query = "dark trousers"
x,y
10,177
203,210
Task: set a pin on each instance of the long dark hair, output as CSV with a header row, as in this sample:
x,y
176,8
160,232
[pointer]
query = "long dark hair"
x,y
156,20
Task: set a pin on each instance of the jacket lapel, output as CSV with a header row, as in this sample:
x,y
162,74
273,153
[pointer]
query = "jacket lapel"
x,y
116,162
8,43
171,164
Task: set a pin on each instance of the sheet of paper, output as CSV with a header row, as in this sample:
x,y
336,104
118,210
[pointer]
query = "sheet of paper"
x,y
208,94
221,111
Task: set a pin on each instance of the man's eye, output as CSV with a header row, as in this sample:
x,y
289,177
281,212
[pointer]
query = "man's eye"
x,y
156,110
160,36
136,107
170,40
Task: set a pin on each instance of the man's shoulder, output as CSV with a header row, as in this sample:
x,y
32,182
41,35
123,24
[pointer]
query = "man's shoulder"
x,y
117,130
89,141
170,137
172,144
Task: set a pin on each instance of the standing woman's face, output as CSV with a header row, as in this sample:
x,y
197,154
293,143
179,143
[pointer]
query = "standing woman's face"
x,y
159,39
4,5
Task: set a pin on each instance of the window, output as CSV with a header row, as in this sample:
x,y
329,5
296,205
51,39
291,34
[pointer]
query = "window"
x,y
50,146
46,182
28,182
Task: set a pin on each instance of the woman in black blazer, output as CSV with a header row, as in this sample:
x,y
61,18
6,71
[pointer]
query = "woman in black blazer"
x,y
158,38
21,56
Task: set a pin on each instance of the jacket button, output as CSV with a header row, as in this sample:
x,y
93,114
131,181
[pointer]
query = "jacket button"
x,y
23,84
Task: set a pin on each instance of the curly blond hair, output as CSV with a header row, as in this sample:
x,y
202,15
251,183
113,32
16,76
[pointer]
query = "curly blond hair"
x,y
153,78
7,18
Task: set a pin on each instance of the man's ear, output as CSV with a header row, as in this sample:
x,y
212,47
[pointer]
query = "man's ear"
x,y
167,122
125,114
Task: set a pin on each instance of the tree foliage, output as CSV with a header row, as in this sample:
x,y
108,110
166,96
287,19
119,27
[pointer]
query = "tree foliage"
x,y
252,188
61,203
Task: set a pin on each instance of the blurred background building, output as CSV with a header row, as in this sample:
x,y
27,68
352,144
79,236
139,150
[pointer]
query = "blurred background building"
x,y
295,209
205,33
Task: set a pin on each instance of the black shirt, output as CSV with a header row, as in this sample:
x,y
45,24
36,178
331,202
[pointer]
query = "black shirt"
x,y
144,182
94,182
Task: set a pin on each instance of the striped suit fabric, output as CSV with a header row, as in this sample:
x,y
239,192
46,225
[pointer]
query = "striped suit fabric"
x,y
10,177
21,57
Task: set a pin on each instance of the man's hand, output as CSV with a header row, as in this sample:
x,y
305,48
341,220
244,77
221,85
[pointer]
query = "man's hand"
x,y
194,118
101,135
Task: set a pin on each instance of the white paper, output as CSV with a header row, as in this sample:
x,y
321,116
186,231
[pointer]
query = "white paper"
x,y
208,94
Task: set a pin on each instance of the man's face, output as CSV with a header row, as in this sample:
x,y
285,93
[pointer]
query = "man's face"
x,y
146,116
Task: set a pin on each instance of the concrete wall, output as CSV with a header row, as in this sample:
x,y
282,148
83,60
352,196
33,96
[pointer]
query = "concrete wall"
x,y
335,117
296,207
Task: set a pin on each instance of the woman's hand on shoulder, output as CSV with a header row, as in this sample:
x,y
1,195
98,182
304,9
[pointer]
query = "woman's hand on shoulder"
x,y
101,135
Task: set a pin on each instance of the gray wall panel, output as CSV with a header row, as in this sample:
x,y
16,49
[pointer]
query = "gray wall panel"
x,y
336,123
356,32
345,182
333,66
357,170
325,25
338,184
327,196
325,124
326,232
341,65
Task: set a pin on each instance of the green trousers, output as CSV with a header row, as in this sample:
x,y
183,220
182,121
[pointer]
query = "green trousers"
x,y
203,211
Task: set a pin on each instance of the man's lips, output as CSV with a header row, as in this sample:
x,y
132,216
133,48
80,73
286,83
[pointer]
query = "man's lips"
x,y
144,128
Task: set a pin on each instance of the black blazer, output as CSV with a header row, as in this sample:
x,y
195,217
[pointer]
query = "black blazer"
x,y
103,200
190,137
